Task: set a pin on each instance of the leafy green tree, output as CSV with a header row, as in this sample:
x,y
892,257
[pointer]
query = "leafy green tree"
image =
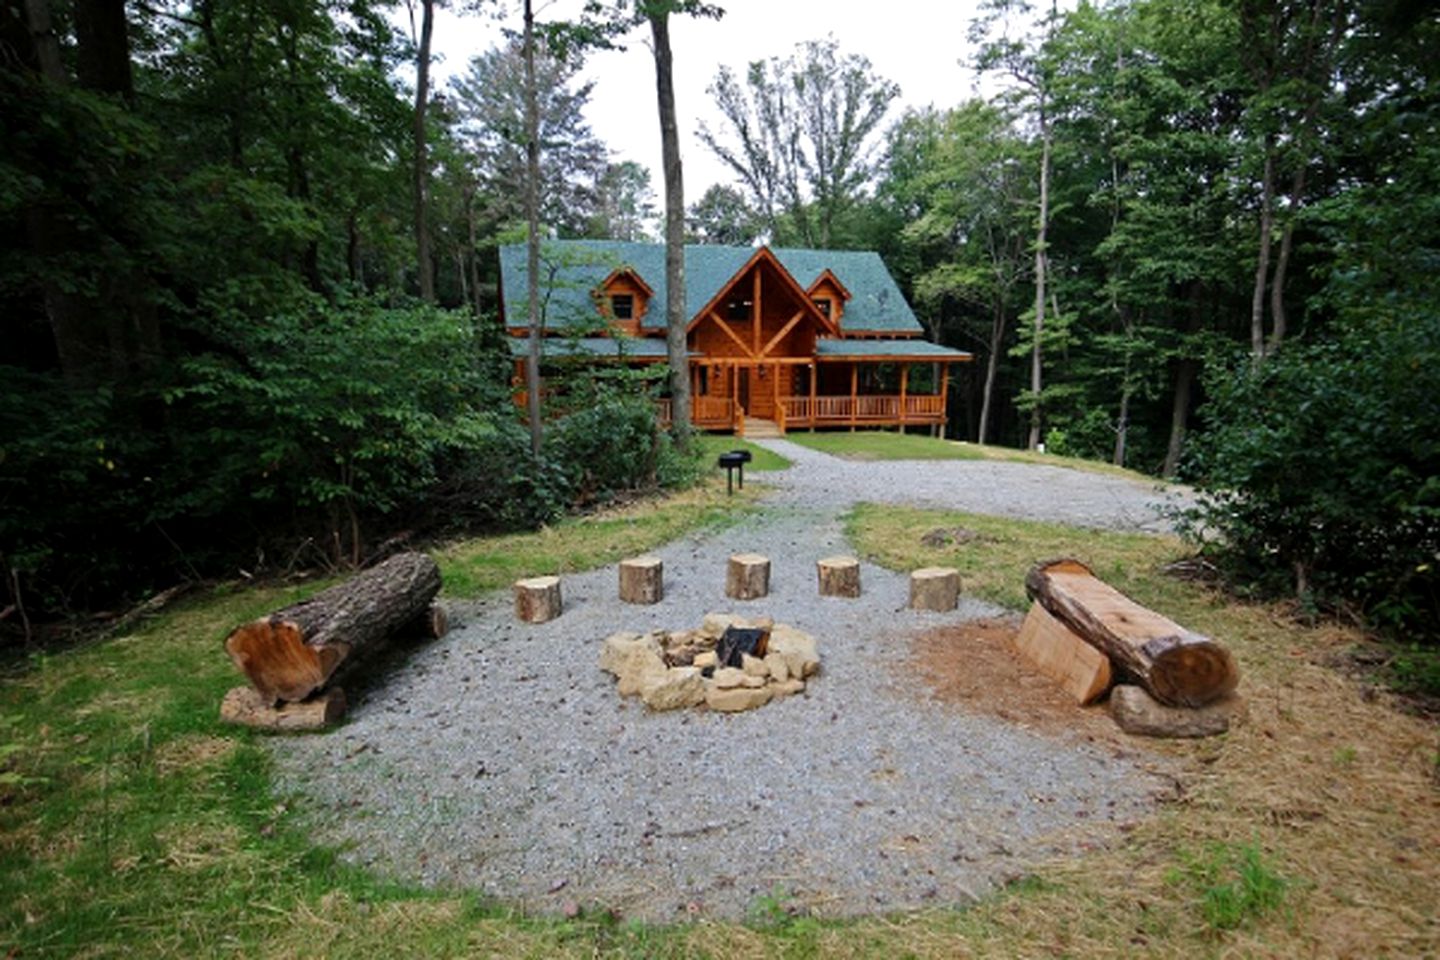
x,y
801,135
722,216
626,209
970,191
489,100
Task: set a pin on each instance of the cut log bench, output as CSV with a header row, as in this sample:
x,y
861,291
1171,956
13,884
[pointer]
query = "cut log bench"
x,y
537,599
839,576
935,588
642,580
1056,651
747,577
1177,667
295,658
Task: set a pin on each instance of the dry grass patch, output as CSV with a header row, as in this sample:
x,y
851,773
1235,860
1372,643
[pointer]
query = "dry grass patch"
x,y
1329,788
191,752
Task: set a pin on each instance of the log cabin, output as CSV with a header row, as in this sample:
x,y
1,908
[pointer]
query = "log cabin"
x,y
778,339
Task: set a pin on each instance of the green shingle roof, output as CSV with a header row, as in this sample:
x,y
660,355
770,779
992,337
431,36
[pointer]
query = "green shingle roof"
x,y
900,349
578,267
553,347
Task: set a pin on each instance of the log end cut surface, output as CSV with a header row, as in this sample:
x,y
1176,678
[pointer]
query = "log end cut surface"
x,y
281,666
1191,670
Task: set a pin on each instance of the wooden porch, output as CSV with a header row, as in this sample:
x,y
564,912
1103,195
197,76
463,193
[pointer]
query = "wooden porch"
x,y
801,413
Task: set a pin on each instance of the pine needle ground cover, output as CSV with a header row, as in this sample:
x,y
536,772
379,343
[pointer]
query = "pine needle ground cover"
x,y
132,823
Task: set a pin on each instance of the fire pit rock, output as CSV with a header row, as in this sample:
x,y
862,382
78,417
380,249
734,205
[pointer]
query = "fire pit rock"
x,y
730,664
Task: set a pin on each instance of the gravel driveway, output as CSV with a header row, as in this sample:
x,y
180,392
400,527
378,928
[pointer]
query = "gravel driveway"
x,y
993,487
501,758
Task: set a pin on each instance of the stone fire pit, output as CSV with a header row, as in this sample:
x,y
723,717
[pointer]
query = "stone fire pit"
x,y
671,669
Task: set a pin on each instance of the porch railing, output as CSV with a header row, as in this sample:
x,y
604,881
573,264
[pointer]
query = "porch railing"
x,y
866,408
716,412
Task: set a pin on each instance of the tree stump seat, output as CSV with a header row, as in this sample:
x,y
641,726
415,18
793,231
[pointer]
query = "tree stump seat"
x,y
935,588
642,580
839,576
747,577
537,599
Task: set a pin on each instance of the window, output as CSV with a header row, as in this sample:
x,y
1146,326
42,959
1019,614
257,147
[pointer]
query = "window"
x,y
622,306
737,310
823,305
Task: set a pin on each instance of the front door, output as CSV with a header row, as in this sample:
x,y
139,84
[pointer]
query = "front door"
x,y
744,389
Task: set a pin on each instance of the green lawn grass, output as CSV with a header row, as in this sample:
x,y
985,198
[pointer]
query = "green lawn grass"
x,y
133,824
886,445
712,445
583,543
882,445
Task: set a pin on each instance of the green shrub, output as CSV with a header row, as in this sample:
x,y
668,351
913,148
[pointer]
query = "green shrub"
x,y
1321,473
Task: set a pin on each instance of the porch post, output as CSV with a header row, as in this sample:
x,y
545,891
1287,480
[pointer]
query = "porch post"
x,y
904,386
814,388
854,393
944,394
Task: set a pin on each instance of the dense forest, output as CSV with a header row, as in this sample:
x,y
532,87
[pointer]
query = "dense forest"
x,y
248,272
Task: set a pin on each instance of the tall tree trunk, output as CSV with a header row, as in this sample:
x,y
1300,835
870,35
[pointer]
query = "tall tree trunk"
x,y
1282,261
992,365
97,335
1122,425
532,233
1040,267
470,248
102,47
675,319
1179,416
424,261
1262,261
352,246
38,49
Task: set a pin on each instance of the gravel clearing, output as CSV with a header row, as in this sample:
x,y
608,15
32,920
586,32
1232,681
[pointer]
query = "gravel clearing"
x,y
1024,490
502,759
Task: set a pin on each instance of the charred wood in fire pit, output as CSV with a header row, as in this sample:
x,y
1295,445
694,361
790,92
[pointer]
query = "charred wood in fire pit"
x,y
735,642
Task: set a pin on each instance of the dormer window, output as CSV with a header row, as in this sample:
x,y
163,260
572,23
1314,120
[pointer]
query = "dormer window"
x,y
622,306
823,305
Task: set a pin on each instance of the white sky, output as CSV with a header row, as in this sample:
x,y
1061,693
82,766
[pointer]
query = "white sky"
x,y
915,43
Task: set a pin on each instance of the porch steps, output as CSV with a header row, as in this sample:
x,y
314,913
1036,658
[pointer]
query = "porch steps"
x,y
755,428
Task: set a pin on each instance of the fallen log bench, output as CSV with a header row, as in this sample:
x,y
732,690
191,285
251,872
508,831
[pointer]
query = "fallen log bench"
x,y
1177,667
297,652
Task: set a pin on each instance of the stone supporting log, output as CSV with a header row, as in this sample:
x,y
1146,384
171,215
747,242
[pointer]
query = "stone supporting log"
x,y
1138,713
245,707
935,588
747,577
839,576
537,599
642,580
